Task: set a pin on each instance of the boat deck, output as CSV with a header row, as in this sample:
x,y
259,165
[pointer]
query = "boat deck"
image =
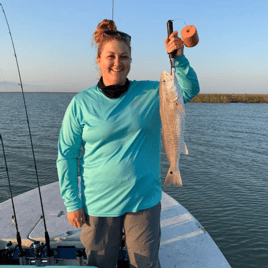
x,y
184,242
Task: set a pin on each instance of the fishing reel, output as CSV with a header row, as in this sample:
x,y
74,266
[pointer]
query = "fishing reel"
x,y
10,250
12,254
37,249
7,254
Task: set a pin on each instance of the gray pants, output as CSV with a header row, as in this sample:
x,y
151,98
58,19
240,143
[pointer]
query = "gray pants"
x,y
101,237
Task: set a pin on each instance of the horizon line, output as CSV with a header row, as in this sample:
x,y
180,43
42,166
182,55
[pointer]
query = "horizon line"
x,y
76,92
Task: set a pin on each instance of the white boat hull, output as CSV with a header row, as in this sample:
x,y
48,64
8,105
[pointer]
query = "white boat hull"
x,y
184,242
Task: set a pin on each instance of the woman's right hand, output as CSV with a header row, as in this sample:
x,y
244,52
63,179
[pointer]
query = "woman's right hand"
x,y
77,218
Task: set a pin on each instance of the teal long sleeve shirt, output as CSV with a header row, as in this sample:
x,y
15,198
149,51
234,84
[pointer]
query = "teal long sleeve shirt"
x,y
118,143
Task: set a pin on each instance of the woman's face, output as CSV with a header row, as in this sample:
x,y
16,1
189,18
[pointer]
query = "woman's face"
x,y
114,62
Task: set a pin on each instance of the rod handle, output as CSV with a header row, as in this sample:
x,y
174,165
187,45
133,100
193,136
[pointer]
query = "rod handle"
x,y
170,31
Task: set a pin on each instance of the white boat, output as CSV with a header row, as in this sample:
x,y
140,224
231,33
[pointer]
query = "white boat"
x,y
184,242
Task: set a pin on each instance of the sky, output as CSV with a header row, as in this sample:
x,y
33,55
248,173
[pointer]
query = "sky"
x,y
53,42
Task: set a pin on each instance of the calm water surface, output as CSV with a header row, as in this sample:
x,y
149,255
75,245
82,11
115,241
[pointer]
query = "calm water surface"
x,y
225,175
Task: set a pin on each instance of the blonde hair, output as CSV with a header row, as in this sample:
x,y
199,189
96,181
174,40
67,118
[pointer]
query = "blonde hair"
x,y
100,38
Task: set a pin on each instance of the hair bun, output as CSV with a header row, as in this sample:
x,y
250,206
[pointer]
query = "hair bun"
x,y
105,25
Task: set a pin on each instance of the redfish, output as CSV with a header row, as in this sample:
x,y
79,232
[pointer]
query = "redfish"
x,y
172,115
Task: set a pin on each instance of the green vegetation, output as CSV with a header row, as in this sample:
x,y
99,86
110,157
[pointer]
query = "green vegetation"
x,y
229,98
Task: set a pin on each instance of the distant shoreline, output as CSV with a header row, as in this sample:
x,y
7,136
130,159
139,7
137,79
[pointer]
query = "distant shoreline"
x,y
200,98
40,92
230,98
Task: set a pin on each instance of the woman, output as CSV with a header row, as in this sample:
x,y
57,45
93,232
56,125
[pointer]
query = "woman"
x,y
117,125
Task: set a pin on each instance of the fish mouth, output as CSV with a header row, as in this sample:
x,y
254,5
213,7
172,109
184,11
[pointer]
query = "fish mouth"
x,y
166,77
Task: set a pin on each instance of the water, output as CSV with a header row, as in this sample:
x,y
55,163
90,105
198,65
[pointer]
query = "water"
x,y
225,175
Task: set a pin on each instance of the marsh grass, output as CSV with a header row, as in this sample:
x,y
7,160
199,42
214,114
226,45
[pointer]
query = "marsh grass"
x,y
231,98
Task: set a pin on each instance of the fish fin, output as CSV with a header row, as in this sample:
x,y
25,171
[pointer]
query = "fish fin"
x,y
180,106
173,177
185,149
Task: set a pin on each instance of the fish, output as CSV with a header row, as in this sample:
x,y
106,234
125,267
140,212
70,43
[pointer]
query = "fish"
x,y
172,114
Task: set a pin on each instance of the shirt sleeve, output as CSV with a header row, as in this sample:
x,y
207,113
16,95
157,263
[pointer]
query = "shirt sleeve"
x,y
187,78
69,147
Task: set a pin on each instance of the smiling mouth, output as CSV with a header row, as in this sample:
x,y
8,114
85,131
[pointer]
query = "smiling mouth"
x,y
117,71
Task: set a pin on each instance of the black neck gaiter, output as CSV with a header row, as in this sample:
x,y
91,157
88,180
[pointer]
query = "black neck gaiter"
x,y
114,91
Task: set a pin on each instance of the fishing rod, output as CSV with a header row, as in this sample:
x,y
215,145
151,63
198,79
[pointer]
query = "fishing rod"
x,y
21,253
172,54
189,37
113,10
49,251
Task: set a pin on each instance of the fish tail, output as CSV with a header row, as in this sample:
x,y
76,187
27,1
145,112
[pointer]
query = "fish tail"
x,y
173,177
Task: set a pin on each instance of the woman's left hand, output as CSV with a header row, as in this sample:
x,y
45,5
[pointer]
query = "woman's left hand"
x,y
173,42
